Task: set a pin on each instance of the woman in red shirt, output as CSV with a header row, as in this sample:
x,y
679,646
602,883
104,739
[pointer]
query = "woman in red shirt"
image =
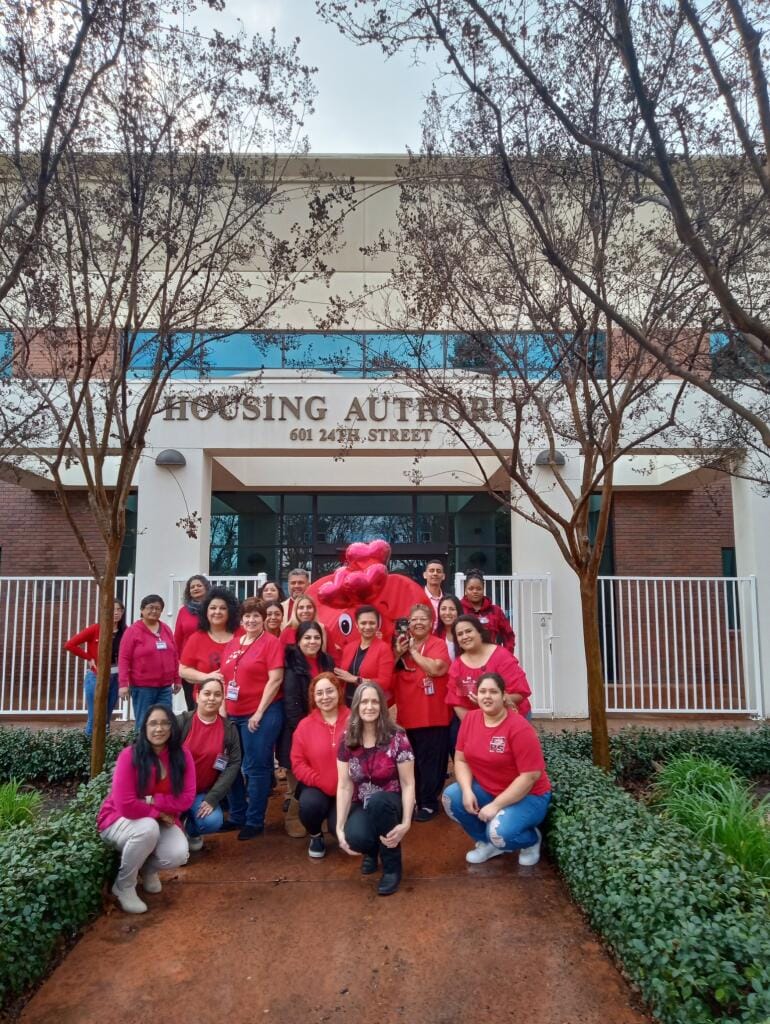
x,y
369,660
274,618
304,611
201,657
216,750
502,790
419,685
491,616
90,653
314,758
252,666
188,620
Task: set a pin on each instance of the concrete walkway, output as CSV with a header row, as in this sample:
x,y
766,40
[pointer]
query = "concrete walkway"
x,y
257,932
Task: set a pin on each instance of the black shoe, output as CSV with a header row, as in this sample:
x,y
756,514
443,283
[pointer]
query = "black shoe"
x,y
231,826
250,832
368,864
317,847
424,814
389,883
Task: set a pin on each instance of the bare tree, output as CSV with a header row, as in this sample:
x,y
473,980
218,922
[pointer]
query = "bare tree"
x,y
173,228
52,55
679,102
532,363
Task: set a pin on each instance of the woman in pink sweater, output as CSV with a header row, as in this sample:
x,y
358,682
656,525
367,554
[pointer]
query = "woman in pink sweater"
x,y
153,783
148,663
314,757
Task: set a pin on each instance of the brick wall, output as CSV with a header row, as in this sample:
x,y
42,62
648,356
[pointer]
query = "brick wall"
x,y
35,538
672,533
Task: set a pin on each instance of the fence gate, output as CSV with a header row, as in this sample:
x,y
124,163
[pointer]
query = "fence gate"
x,y
681,644
526,600
37,615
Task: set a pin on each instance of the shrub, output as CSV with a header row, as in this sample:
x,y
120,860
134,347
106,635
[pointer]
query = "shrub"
x,y
55,755
17,807
687,924
636,752
711,800
51,878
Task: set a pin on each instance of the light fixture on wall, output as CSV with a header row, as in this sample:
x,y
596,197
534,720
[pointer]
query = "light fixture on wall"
x,y
171,459
546,458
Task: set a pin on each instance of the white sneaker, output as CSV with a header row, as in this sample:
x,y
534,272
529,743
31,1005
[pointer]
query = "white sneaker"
x,y
195,843
530,855
128,900
482,852
151,882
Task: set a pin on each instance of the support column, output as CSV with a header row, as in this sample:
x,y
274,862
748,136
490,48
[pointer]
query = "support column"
x,y
751,521
163,549
534,550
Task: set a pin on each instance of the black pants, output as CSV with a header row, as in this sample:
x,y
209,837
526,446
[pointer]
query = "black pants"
x,y
316,807
454,728
187,690
365,825
431,753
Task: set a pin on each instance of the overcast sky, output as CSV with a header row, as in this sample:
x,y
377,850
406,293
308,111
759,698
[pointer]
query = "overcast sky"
x,y
365,104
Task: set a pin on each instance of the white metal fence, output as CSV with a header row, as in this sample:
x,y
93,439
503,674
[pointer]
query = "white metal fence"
x,y
242,587
526,600
37,615
680,644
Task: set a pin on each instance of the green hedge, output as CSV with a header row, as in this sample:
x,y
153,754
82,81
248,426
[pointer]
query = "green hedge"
x,y
55,755
51,878
689,927
635,752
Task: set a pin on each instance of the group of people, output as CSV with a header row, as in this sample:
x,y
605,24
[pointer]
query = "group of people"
x,y
364,743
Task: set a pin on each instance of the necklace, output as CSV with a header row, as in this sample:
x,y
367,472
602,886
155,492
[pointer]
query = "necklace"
x,y
332,727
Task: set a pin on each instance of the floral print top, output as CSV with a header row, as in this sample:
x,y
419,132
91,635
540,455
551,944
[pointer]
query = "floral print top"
x,y
375,769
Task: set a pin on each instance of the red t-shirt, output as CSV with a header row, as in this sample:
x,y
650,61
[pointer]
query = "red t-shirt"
x,y
498,754
247,668
205,741
464,680
203,653
420,698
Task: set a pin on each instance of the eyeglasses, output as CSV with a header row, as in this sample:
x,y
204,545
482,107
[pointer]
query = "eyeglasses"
x,y
159,725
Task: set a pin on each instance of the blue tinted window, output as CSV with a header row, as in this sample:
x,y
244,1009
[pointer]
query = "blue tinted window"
x,y
387,351
335,353
6,353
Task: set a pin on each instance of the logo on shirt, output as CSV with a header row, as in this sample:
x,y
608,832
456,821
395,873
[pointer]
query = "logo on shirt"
x,y
497,745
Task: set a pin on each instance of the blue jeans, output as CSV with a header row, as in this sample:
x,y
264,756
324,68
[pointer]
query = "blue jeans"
x,y
143,697
202,826
512,829
112,699
256,767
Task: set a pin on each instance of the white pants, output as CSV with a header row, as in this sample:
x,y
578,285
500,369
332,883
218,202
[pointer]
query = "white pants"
x,y
145,845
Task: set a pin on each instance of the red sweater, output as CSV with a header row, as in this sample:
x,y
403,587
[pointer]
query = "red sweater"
x,y
377,664
125,801
314,750
88,636
140,663
186,624
492,617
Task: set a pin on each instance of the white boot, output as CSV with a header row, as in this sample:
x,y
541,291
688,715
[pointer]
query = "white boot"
x,y
151,881
128,900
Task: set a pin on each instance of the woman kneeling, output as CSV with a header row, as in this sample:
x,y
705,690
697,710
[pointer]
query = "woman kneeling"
x,y
502,790
375,787
153,783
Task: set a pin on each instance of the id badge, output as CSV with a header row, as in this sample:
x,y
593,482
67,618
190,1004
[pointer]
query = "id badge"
x,y
428,687
161,645
220,763
232,691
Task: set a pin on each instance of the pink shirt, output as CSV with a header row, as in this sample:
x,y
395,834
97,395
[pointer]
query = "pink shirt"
x,y
125,801
147,658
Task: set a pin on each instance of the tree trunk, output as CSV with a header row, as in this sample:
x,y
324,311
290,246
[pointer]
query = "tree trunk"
x,y
106,620
600,743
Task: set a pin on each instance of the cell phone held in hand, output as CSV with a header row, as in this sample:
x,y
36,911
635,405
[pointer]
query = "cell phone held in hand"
x,y
401,627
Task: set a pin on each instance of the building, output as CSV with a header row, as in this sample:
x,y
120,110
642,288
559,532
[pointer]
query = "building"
x,y
313,447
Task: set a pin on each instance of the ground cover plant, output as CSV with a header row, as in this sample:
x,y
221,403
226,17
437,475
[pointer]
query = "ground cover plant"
x,y
713,801
52,873
688,924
